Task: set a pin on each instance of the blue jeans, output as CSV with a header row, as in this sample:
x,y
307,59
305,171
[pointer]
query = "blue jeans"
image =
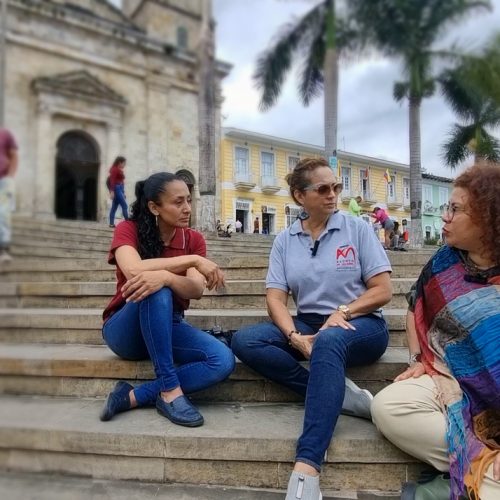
x,y
181,354
264,348
118,199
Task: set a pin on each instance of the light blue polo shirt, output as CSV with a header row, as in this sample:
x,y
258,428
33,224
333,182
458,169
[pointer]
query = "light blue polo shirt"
x,y
347,256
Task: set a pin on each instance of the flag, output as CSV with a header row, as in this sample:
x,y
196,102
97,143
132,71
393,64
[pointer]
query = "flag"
x,y
387,176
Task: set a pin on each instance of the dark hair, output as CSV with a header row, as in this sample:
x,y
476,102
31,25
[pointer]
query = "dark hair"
x,y
150,242
482,182
118,160
298,179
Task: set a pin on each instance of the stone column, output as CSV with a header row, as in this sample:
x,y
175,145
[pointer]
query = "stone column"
x,y
45,165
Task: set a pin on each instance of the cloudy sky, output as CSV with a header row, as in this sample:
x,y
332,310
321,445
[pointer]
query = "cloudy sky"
x,y
370,121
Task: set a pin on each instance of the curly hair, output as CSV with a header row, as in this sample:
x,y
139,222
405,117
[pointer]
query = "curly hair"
x,y
298,179
150,242
482,182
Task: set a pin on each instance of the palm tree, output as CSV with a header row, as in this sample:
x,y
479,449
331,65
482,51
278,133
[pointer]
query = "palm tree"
x,y
478,113
315,40
408,30
206,121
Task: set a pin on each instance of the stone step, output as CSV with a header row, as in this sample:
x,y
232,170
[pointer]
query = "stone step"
x,y
245,445
92,371
237,294
91,319
36,486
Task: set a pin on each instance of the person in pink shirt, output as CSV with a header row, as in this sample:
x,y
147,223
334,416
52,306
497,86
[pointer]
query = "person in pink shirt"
x,y
381,216
8,168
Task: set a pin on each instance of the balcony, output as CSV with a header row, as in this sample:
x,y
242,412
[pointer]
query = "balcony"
x,y
269,184
369,198
394,202
244,182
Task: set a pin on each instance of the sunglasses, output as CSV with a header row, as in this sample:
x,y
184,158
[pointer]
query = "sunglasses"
x,y
450,210
325,189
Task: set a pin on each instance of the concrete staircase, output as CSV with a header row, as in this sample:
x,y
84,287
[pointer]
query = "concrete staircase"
x,y
55,372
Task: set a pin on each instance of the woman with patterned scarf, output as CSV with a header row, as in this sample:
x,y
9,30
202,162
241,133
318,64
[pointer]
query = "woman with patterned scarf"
x,y
445,408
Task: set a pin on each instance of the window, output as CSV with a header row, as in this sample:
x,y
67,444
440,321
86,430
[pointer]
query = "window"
x,y
428,232
443,196
292,161
391,188
406,190
267,164
241,165
364,183
426,194
182,37
291,213
346,180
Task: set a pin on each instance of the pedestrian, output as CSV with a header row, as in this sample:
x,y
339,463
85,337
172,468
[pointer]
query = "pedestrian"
x,y
256,226
116,186
160,265
8,169
239,226
336,326
381,217
354,208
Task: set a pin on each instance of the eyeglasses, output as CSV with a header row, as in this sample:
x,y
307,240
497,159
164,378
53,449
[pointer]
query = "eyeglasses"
x,y
449,210
325,189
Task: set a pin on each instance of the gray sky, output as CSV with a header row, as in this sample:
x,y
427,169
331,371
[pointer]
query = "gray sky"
x,y
370,121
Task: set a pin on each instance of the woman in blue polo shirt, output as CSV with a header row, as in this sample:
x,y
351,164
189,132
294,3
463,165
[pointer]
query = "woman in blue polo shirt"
x,y
338,274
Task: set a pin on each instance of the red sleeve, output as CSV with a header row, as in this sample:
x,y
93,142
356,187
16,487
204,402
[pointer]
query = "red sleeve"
x,y
116,176
125,234
11,142
196,244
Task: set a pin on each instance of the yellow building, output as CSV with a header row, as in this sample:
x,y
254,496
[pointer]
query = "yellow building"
x,y
253,189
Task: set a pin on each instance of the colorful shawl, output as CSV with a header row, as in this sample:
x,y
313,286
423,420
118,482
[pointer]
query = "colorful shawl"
x,y
457,316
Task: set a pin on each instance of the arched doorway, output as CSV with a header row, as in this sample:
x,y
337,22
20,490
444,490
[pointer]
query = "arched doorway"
x,y
77,169
188,178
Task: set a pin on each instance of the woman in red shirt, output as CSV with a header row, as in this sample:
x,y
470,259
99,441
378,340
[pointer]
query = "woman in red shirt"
x,y
161,265
116,188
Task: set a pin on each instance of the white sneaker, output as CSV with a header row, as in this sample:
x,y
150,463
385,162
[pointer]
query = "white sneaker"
x,y
303,487
357,401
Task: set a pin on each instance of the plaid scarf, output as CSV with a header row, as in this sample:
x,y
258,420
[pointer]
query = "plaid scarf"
x,y
457,317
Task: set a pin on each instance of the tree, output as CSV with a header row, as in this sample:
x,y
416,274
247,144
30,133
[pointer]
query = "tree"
x,y
408,30
206,121
315,40
477,110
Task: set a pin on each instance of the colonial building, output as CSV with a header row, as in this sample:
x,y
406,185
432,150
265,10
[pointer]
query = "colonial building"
x,y
252,173
87,82
436,192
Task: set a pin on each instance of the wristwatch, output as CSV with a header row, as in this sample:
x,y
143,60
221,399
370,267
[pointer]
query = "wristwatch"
x,y
414,358
345,311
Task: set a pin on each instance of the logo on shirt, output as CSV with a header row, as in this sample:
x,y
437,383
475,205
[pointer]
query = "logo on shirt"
x,y
346,258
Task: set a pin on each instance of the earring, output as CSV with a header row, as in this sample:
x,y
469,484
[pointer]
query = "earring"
x,y
156,220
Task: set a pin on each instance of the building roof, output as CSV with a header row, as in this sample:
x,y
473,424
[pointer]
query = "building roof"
x,y
437,178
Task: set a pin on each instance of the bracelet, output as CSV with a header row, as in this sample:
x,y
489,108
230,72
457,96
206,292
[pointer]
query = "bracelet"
x,y
289,336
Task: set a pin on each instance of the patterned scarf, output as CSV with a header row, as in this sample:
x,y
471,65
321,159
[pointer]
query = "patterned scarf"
x,y
457,316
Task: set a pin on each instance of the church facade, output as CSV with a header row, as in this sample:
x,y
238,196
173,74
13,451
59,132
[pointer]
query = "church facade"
x,y
87,82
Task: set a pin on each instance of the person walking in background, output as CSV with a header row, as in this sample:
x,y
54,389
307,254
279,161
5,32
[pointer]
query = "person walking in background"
x,y
354,208
117,189
8,169
256,226
238,226
381,217
335,327
161,265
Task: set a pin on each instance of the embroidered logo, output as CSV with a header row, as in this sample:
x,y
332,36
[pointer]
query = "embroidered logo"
x,y
346,258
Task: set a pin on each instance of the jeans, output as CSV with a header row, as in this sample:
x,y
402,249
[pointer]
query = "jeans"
x,y
181,354
118,199
6,208
264,348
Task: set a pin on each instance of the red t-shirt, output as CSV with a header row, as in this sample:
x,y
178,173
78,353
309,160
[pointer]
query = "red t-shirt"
x,y
116,176
185,242
7,144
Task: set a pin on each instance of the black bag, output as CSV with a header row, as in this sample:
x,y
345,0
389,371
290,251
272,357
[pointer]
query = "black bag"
x,y
224,336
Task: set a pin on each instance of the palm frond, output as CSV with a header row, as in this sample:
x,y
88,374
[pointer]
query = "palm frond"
x,y
455,150
400,91
311,78
488,147
274,64
463,99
